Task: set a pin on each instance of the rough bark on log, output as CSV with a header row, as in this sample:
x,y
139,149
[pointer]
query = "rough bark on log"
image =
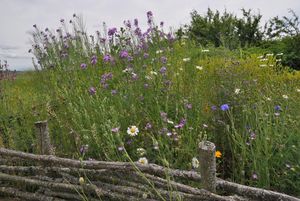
x,y
13,192
150,168
43,138
254,193
208,165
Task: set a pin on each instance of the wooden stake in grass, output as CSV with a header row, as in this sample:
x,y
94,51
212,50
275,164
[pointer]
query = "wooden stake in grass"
x,y
43,138
208,165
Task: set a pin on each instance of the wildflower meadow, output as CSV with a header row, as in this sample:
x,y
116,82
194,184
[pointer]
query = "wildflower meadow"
x,y
146,95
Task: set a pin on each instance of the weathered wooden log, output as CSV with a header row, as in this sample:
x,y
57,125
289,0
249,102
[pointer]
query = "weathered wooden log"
x,y
207,168
253,193
43,138
13,192
51,160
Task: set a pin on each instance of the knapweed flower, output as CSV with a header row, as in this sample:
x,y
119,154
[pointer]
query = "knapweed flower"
x,y
143,161
181,123
195,163
213,108
124,54
133,131
163,60
107,58
92,90
146,55
188,106
81,180
186,59
114,92
285,96
112,31
224,107
148,126
218,154
163,70
83,66
93,60
115,130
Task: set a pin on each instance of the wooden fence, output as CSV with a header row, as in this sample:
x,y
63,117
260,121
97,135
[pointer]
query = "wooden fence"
x,y
46,177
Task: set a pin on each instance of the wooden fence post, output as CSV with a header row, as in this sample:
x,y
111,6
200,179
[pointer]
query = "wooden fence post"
x,y
43,138
207,165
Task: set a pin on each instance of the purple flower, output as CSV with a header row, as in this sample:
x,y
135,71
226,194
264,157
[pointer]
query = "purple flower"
x,y
224,107
148,126
115,130
163,60
149,14
254,176
114,92
277,108
161,23
112,31
252,136
93,60
188,106
124,54
83,149
146,85
136,22
214,108
107,58
83,66
146,55
163,70
181,123
92,90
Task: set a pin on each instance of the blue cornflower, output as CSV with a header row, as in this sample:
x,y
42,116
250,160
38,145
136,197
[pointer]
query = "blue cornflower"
x,y
224,107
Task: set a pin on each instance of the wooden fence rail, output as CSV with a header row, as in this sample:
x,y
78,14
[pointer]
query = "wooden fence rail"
x,y
47,177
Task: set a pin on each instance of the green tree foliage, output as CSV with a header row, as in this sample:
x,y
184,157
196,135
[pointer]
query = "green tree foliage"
x,y
226,29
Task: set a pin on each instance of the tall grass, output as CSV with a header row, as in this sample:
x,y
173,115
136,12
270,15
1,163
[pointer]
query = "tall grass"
x,y
93,89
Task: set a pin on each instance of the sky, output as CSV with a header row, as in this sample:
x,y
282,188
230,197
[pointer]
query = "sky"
x,y
18,16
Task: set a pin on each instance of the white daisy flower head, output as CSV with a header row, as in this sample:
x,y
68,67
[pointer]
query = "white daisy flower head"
x,y
143,161
153,73
132,131
205,50
159,51
298,90
186,59
285,96
199,67
195,162
237,91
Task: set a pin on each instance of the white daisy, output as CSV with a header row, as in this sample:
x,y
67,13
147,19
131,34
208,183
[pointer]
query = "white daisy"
x,y
132,131
199,67
195,162
285,96
237,91
143,161
186,59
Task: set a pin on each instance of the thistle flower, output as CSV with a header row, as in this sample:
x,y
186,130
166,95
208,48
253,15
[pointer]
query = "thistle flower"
x,y
92,90
132,131
107,58
83,66
112,31
124,54
143,161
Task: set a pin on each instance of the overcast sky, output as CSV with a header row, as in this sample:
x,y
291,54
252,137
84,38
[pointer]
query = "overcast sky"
x,y
18,16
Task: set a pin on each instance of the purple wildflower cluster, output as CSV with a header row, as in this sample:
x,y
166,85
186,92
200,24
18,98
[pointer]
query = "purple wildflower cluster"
x,y
104,78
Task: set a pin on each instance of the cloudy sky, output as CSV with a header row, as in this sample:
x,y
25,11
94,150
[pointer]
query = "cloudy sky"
x,y
18,16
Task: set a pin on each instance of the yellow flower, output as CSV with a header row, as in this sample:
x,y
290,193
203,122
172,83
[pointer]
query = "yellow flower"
x,y
81,180
218,154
